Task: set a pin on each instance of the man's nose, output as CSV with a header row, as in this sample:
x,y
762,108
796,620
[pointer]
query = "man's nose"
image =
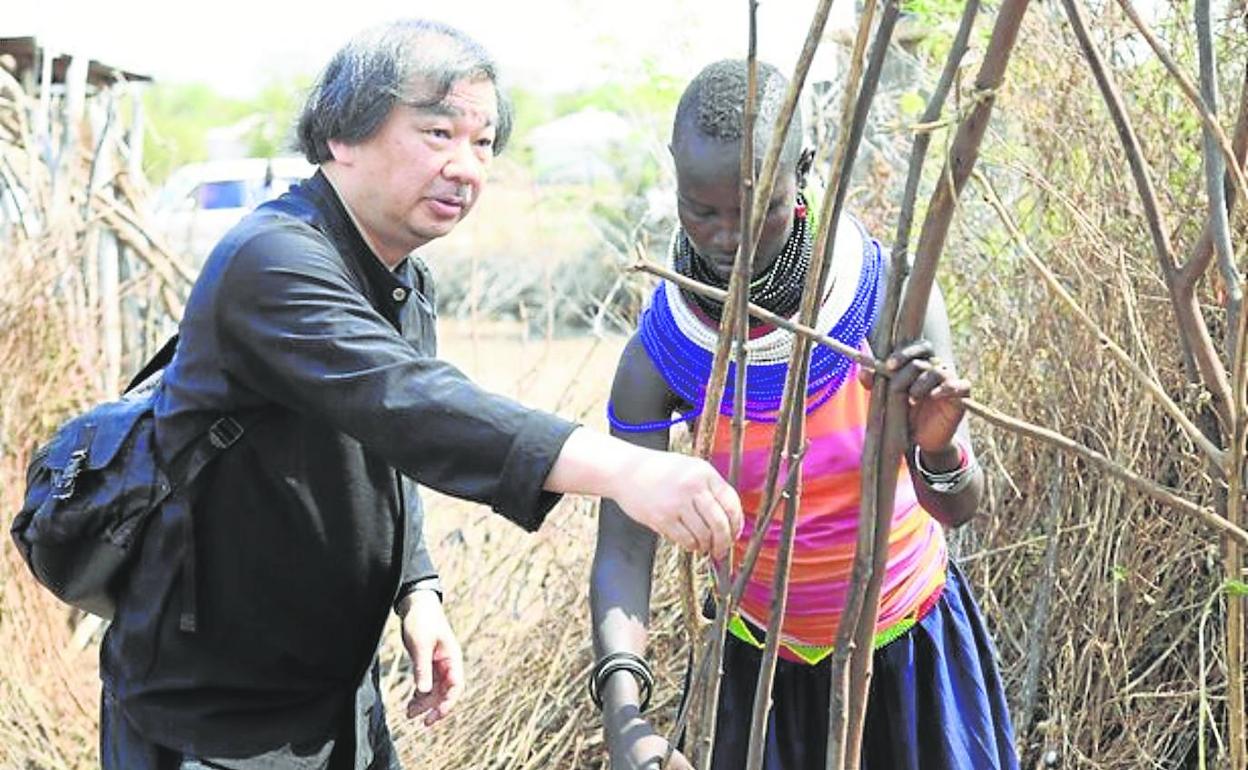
x,y
465,166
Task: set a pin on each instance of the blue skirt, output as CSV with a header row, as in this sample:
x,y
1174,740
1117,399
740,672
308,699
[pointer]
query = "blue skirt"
x,y
936,700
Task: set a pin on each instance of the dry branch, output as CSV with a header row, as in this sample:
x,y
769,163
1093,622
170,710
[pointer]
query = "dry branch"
x,y
1193,332
995,417
1215,456
1207,117
887,430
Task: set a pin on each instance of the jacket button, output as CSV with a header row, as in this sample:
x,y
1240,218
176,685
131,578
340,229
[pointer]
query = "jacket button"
x,y
399,295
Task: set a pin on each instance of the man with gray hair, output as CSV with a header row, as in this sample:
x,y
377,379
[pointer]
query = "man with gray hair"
x,y
246,634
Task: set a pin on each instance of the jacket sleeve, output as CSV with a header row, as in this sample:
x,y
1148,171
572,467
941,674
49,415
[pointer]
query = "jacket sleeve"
x,y
298,332
417,561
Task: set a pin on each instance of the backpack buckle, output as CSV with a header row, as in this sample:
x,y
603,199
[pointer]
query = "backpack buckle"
x,y
64,488
224,432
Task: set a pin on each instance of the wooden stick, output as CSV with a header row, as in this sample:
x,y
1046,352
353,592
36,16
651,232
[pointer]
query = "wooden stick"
x,y
1202,255
734,597
813,35
1237,330
1207,117
892,428
784,118
758,311
735,314
776,609
1215,171
1022,427
1216,457
1193,331
841,704
922,140
1140,484
763,195
793,403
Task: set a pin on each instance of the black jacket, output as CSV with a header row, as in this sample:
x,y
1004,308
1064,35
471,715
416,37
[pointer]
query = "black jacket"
x,y
306,531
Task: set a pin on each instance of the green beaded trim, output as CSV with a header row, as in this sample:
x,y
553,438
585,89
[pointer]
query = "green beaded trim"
x,y
812,654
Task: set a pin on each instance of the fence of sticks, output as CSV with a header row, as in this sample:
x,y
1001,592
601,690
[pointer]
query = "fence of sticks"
x,y
87,292
1095,280
1218,369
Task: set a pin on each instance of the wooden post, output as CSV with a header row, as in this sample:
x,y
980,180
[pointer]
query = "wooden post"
x,y
887,427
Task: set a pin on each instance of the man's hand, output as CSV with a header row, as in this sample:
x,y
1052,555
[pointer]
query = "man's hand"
x,y
437,661
681,498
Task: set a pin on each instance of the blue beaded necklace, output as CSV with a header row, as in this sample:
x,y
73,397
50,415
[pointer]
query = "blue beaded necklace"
x,y
685,365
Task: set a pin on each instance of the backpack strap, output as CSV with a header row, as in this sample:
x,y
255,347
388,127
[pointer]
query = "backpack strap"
x,y
157,363
224,433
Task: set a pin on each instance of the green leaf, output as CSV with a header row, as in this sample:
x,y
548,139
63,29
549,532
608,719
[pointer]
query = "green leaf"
x,y
911,104
1236,587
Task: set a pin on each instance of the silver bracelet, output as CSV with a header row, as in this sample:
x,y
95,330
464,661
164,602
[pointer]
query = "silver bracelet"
x,y
948,482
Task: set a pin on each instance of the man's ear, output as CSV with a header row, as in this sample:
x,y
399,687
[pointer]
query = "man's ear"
x,y
342,152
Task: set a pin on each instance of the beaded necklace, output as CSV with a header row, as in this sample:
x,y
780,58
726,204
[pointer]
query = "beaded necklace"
x,y
779,288
682,345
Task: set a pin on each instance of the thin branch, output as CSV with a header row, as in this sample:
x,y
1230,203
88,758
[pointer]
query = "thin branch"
x,y
1218,226
862,107
775,618
1215,171
887,430
752,552
739,291
1189,90
758,311
1215,456
1126,133
790,426
751,232
1002,420
1140,484
962,156
784,118
1202,255
840,721
922,140
1193,333
1042,603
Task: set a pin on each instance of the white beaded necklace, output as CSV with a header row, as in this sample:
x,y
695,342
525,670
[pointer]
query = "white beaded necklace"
x,y
776,346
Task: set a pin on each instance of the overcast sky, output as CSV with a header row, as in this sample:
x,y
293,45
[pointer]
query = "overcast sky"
x,y
238,46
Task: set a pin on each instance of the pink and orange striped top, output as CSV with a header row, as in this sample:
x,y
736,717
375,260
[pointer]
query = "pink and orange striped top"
x,y
823,549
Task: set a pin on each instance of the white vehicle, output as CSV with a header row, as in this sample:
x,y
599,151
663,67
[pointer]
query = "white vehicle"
x,y
201,201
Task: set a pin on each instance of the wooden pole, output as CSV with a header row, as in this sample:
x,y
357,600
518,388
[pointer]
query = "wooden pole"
x,y
887,430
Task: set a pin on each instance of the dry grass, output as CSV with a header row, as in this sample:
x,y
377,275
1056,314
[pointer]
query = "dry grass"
x,y
518,602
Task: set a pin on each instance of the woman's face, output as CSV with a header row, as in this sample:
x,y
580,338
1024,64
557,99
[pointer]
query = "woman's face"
x,y
708,201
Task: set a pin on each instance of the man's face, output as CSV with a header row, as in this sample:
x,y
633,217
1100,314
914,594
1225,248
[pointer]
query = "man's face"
x,y
421,172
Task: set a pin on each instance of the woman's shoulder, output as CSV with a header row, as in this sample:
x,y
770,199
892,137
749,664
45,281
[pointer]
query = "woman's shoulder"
x,y
639,392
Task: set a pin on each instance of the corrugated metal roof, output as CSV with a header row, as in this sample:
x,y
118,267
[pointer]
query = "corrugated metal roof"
x,y
25,50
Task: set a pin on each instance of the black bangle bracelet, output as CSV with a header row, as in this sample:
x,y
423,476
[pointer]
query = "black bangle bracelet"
x,y
621,661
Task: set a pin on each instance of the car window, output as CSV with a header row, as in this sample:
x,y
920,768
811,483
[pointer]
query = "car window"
x,y
230,194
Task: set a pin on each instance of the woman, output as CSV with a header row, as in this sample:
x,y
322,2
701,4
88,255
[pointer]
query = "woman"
x,y
936,699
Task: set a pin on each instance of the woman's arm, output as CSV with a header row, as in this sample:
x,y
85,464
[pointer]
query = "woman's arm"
x,y
938,427
623,565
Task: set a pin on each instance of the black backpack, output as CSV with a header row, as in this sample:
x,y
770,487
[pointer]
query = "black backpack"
x,y
92,489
